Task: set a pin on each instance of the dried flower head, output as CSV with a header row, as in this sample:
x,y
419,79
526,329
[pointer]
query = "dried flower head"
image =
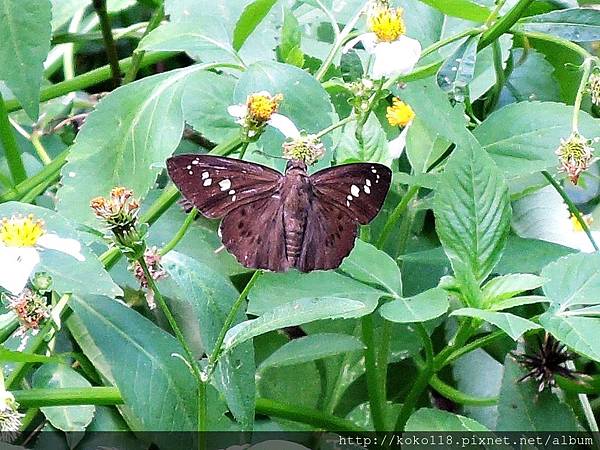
x,y
387,23
119,211
157,272
307,148
575,155
399,114
594,88
10,417
31,309
548,360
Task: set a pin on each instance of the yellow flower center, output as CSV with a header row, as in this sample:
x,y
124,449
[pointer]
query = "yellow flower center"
x,y
399,114
262,106
387,24
21,231
577,226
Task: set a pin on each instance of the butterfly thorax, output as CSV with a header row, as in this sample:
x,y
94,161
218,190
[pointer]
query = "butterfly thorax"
x,y
295,193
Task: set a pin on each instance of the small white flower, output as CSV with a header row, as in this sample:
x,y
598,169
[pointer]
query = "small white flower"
x,y
401,115
394,52
21,239
396,146
260,108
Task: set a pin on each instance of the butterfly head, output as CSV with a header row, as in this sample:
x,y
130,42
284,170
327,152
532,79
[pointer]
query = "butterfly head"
x,y
295,166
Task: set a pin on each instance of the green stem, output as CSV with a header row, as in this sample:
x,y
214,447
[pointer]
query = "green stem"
x,y
383,358
39,147
459,397
376,402
554,40
91,78
138,55
494,15
217,349
572,208
243,149
421,382
504,24
40,188
460,338
36,398
395,216
109,41
11,148
305,415
180,233
587,69
445,358
334,126
450,39
495,95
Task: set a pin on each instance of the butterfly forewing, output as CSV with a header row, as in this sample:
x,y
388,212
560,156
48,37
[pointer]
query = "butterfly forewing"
x,y
216,185
358,189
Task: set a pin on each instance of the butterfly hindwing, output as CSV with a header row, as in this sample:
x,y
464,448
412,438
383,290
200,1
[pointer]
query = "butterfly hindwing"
x,y
216,185
254,234
358,189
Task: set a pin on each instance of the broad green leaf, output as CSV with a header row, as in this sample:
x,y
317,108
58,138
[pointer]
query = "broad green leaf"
x,y
579,333
420,308
518,301
131,130
465,9
374,148
362,417
529,255
25,35
65,418
507,286
312,347
472,211
277,289
423,146
575,24
523,408
208,296
14,356
368,264
522,137
512,325
458,70
428,419
251,17
68,274
208,39
158,389
289,50
295,313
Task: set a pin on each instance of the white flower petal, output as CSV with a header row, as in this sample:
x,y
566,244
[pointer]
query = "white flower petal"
x,y
17,264
396,58
69,246
369,42
238,111
396,146
285,125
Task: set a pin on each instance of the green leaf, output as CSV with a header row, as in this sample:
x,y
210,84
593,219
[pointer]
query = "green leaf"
x,y
208,296
132,129
368,264
512,325
289,50
427,419
14,356
374,148
25,35
158,389
465,9
522,137
295,313
523,408
579,333
507,286
312,347
252,16
472,211
518,301
68,274
458,70
575,24
423,146
277,289
65,418
420,308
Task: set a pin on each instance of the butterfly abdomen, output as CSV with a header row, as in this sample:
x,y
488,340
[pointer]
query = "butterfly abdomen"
x,y
295,195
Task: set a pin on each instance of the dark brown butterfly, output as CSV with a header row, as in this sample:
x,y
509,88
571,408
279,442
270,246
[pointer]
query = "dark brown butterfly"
x,y
276,222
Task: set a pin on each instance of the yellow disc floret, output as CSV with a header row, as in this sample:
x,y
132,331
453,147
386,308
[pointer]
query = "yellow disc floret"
x,y
399,114
19,231
387,24
262,105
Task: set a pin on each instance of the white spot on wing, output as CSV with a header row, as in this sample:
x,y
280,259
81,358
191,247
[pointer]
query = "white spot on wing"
x,y
204,175
207,182
367,189
189,166
349,197
347,203
233,198
354,190
191,172
368,182
231,192
225,184
195,162
374,170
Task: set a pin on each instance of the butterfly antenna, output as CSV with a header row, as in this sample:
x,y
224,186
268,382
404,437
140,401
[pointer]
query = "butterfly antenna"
x,y
268,155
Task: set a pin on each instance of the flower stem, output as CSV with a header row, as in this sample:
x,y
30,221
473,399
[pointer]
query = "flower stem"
x,y
109,41
587,68
39,147
11,148
422,381
376,402
572,208
494,15
455,353
243,150
138,55
180,233
459,397
35,398
334,126
504,24
395,216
